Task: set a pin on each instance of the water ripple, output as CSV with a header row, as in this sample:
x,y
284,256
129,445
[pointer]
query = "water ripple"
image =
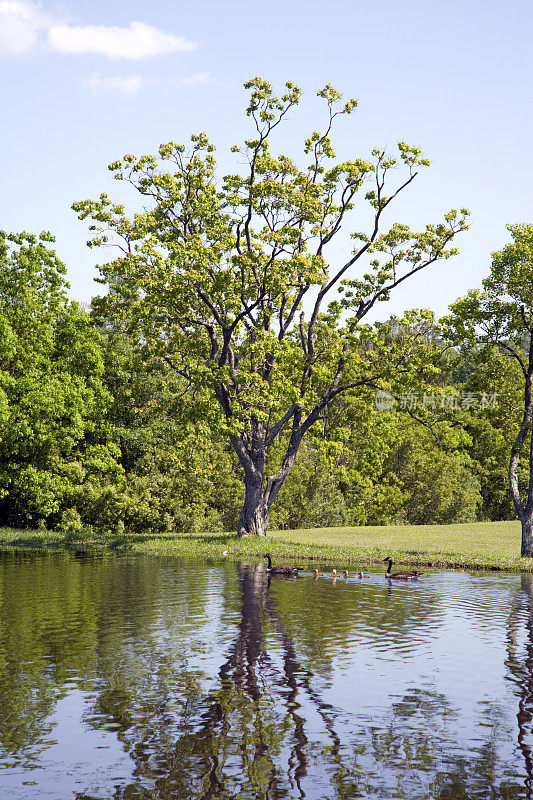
x,y
160,678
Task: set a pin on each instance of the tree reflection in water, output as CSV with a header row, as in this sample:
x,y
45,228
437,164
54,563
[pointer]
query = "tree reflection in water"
x,y
520,664
251,735
246,737
318,690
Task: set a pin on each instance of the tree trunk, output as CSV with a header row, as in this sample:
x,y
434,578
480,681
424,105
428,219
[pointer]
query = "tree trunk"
x,y
527,533
524,510
255,512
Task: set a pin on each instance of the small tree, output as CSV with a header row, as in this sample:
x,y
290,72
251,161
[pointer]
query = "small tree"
x,y
233,282
502,315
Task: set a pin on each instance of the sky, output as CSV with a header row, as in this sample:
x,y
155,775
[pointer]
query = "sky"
x,y
84,83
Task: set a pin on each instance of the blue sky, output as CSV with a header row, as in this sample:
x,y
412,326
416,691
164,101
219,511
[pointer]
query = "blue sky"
x,y
84,83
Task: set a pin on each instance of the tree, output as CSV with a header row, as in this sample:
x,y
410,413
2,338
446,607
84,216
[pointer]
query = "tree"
x,y
52,397
502,315
437,480
234,283
485,374
180,476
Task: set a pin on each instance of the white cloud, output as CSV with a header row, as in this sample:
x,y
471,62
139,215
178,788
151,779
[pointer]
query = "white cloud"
x,y
21,25
138,40
130,85
127,85
25,25
197,79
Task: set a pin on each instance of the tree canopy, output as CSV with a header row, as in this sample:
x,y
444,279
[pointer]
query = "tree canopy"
x,y
501,314
52,397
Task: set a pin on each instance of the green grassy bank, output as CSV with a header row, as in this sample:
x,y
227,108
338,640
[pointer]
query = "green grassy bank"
x,y
479,545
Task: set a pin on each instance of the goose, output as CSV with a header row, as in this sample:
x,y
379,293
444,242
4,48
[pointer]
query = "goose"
x,y
279,570
347,574
400,576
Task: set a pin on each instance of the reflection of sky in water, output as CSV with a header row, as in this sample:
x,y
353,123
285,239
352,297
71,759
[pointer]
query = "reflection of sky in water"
x,y
444,679
454,663
453,652
72,746
140,672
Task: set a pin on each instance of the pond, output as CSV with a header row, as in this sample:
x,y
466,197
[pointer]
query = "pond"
x,y
153,678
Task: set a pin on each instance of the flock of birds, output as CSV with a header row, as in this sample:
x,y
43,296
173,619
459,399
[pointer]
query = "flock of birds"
x,y
292,572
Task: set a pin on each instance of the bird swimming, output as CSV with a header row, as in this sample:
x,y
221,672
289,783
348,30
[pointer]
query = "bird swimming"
x,y
347,574
288,571
400,576
316,573
363,575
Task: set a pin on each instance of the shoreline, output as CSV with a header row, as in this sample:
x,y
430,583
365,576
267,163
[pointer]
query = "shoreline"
x,y
489,546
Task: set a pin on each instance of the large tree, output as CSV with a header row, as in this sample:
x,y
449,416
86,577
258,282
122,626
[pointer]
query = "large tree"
x,y
501,315
54,442
239,283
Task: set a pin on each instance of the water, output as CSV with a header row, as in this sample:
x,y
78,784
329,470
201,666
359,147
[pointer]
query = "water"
x,y
154,678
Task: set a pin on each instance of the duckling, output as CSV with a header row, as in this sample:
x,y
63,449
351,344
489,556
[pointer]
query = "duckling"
x,y
400,576
334,573
362,575
348,574
287,571
316,573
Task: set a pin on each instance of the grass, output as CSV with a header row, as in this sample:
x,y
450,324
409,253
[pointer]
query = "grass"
x,y
477,545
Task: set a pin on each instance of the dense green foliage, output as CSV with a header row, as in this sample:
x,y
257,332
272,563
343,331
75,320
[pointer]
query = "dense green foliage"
x,y
55,440
500,316
96,432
